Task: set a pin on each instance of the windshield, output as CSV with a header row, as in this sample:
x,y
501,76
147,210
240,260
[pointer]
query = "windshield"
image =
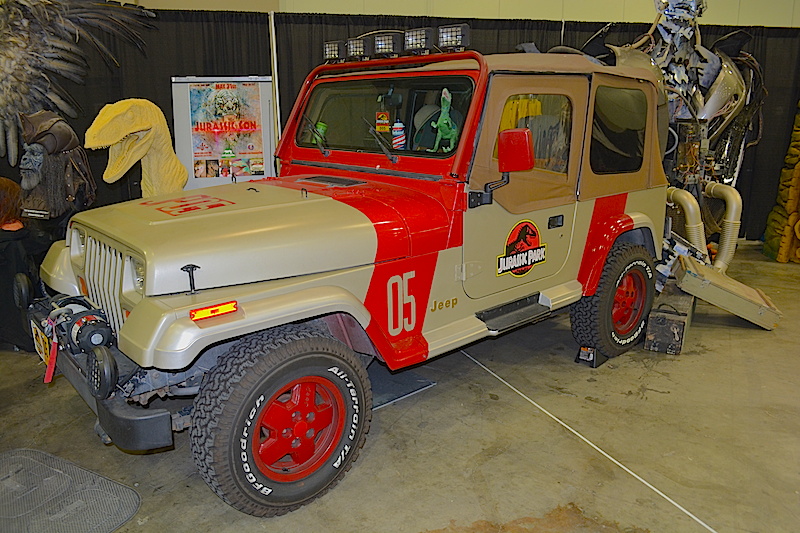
x,y
420,114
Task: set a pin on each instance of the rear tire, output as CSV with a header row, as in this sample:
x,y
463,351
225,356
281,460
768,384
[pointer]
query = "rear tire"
x,y
613,319
280,419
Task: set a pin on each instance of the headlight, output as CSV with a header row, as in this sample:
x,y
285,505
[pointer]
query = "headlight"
x,y
138,272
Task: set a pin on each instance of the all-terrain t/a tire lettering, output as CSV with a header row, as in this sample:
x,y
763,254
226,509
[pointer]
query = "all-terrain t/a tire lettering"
x,y
613,319
280,419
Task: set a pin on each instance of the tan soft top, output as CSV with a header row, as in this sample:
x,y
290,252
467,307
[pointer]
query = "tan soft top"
x,y
571,63
521,62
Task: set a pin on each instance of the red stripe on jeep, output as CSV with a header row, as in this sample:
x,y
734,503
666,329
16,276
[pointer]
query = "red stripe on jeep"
x,y
397,299
405,260
608,222
398,293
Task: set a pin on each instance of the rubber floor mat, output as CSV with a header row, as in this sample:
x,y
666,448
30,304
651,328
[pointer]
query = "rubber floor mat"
x,y
42,493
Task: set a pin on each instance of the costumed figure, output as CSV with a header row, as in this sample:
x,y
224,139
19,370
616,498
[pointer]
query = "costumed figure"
x,y
17,247
136,130
56,179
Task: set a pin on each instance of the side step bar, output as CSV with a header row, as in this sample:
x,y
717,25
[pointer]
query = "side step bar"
x,y
508,316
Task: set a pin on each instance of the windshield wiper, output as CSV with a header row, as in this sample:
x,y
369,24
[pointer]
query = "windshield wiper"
x,y
382,143
318,136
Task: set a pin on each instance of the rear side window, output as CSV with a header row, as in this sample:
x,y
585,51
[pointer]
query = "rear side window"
x,y
618,130
549,117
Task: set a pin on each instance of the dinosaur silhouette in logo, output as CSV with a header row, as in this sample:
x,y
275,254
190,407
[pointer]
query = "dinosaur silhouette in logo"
x,y
527,238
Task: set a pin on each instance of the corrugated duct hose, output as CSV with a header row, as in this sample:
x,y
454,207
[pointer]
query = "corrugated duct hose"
x,y
731,222
695,230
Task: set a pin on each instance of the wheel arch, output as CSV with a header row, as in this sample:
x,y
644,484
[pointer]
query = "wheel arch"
x,y
634,228
151,339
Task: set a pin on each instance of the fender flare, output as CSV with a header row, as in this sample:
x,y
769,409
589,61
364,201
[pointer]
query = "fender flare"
x,y
56,270
635,227
156,335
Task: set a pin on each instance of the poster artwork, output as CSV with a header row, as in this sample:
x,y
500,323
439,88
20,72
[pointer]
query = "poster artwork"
x,y
227,139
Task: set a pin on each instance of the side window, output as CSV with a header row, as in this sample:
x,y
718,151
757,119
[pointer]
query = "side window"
x,y
549,117
618,130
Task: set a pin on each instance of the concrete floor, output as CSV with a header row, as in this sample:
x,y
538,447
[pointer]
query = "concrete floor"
x,y
517,437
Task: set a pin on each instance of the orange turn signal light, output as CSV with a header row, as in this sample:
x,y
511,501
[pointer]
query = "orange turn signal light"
x,y
214,310
84,288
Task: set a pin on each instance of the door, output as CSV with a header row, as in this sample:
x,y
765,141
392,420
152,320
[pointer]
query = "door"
x,y
521,241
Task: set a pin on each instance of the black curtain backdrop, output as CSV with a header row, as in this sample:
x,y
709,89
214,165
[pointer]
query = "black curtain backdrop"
x,y
213,43
183,43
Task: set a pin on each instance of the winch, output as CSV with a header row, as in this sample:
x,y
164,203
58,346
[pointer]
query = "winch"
x,y
84,327
81,332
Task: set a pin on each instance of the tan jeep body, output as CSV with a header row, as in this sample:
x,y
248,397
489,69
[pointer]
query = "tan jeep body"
x,y
397,255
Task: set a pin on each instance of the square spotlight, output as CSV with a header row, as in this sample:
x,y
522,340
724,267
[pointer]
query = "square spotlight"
x,y
454,36
386,43
419,40
359,47
334,50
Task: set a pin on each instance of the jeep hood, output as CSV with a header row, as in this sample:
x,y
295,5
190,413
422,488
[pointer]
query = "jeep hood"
x,y
258,231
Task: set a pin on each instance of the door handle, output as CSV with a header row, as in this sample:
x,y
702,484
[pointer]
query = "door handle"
x,y
555,222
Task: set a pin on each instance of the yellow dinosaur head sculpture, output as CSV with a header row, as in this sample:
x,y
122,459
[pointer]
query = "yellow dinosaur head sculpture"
x,y
136,130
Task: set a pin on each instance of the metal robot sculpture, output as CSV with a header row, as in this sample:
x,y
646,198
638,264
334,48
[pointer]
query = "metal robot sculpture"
x,y
714,101
715,96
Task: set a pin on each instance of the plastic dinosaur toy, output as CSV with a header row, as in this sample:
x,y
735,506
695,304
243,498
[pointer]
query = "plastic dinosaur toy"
x,y
133,130
446,129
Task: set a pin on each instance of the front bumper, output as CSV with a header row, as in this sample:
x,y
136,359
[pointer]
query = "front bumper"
x,y
129,427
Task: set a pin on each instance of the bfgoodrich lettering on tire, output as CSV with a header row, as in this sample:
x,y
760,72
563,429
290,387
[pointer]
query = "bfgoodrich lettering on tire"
x,y
613,319
280,419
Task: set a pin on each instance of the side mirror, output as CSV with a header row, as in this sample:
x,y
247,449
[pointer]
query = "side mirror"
x,y
514,154
515,150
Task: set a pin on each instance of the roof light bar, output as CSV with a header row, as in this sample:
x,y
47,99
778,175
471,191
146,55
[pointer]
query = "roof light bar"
x,y
453,37
388,43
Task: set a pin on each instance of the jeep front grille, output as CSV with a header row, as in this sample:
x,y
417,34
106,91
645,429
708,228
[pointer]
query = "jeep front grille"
x,y
103,270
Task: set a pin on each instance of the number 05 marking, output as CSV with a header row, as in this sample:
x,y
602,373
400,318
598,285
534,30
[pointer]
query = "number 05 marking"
x,y
401,305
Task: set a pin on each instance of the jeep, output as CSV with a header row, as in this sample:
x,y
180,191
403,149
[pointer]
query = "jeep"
x,y
423,202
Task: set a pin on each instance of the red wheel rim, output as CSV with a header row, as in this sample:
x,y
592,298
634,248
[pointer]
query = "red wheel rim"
x,y
298,429
629,302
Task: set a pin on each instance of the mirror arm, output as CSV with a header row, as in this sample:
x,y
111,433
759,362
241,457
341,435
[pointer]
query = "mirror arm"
x,y
478,198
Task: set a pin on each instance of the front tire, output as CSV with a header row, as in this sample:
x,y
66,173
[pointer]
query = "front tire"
x,y
280,419
613,319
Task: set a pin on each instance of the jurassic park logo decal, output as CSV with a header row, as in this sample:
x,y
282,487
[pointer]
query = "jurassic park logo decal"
x,y
524,250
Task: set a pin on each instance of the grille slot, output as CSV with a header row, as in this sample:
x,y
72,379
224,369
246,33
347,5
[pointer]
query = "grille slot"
x,y
103,268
